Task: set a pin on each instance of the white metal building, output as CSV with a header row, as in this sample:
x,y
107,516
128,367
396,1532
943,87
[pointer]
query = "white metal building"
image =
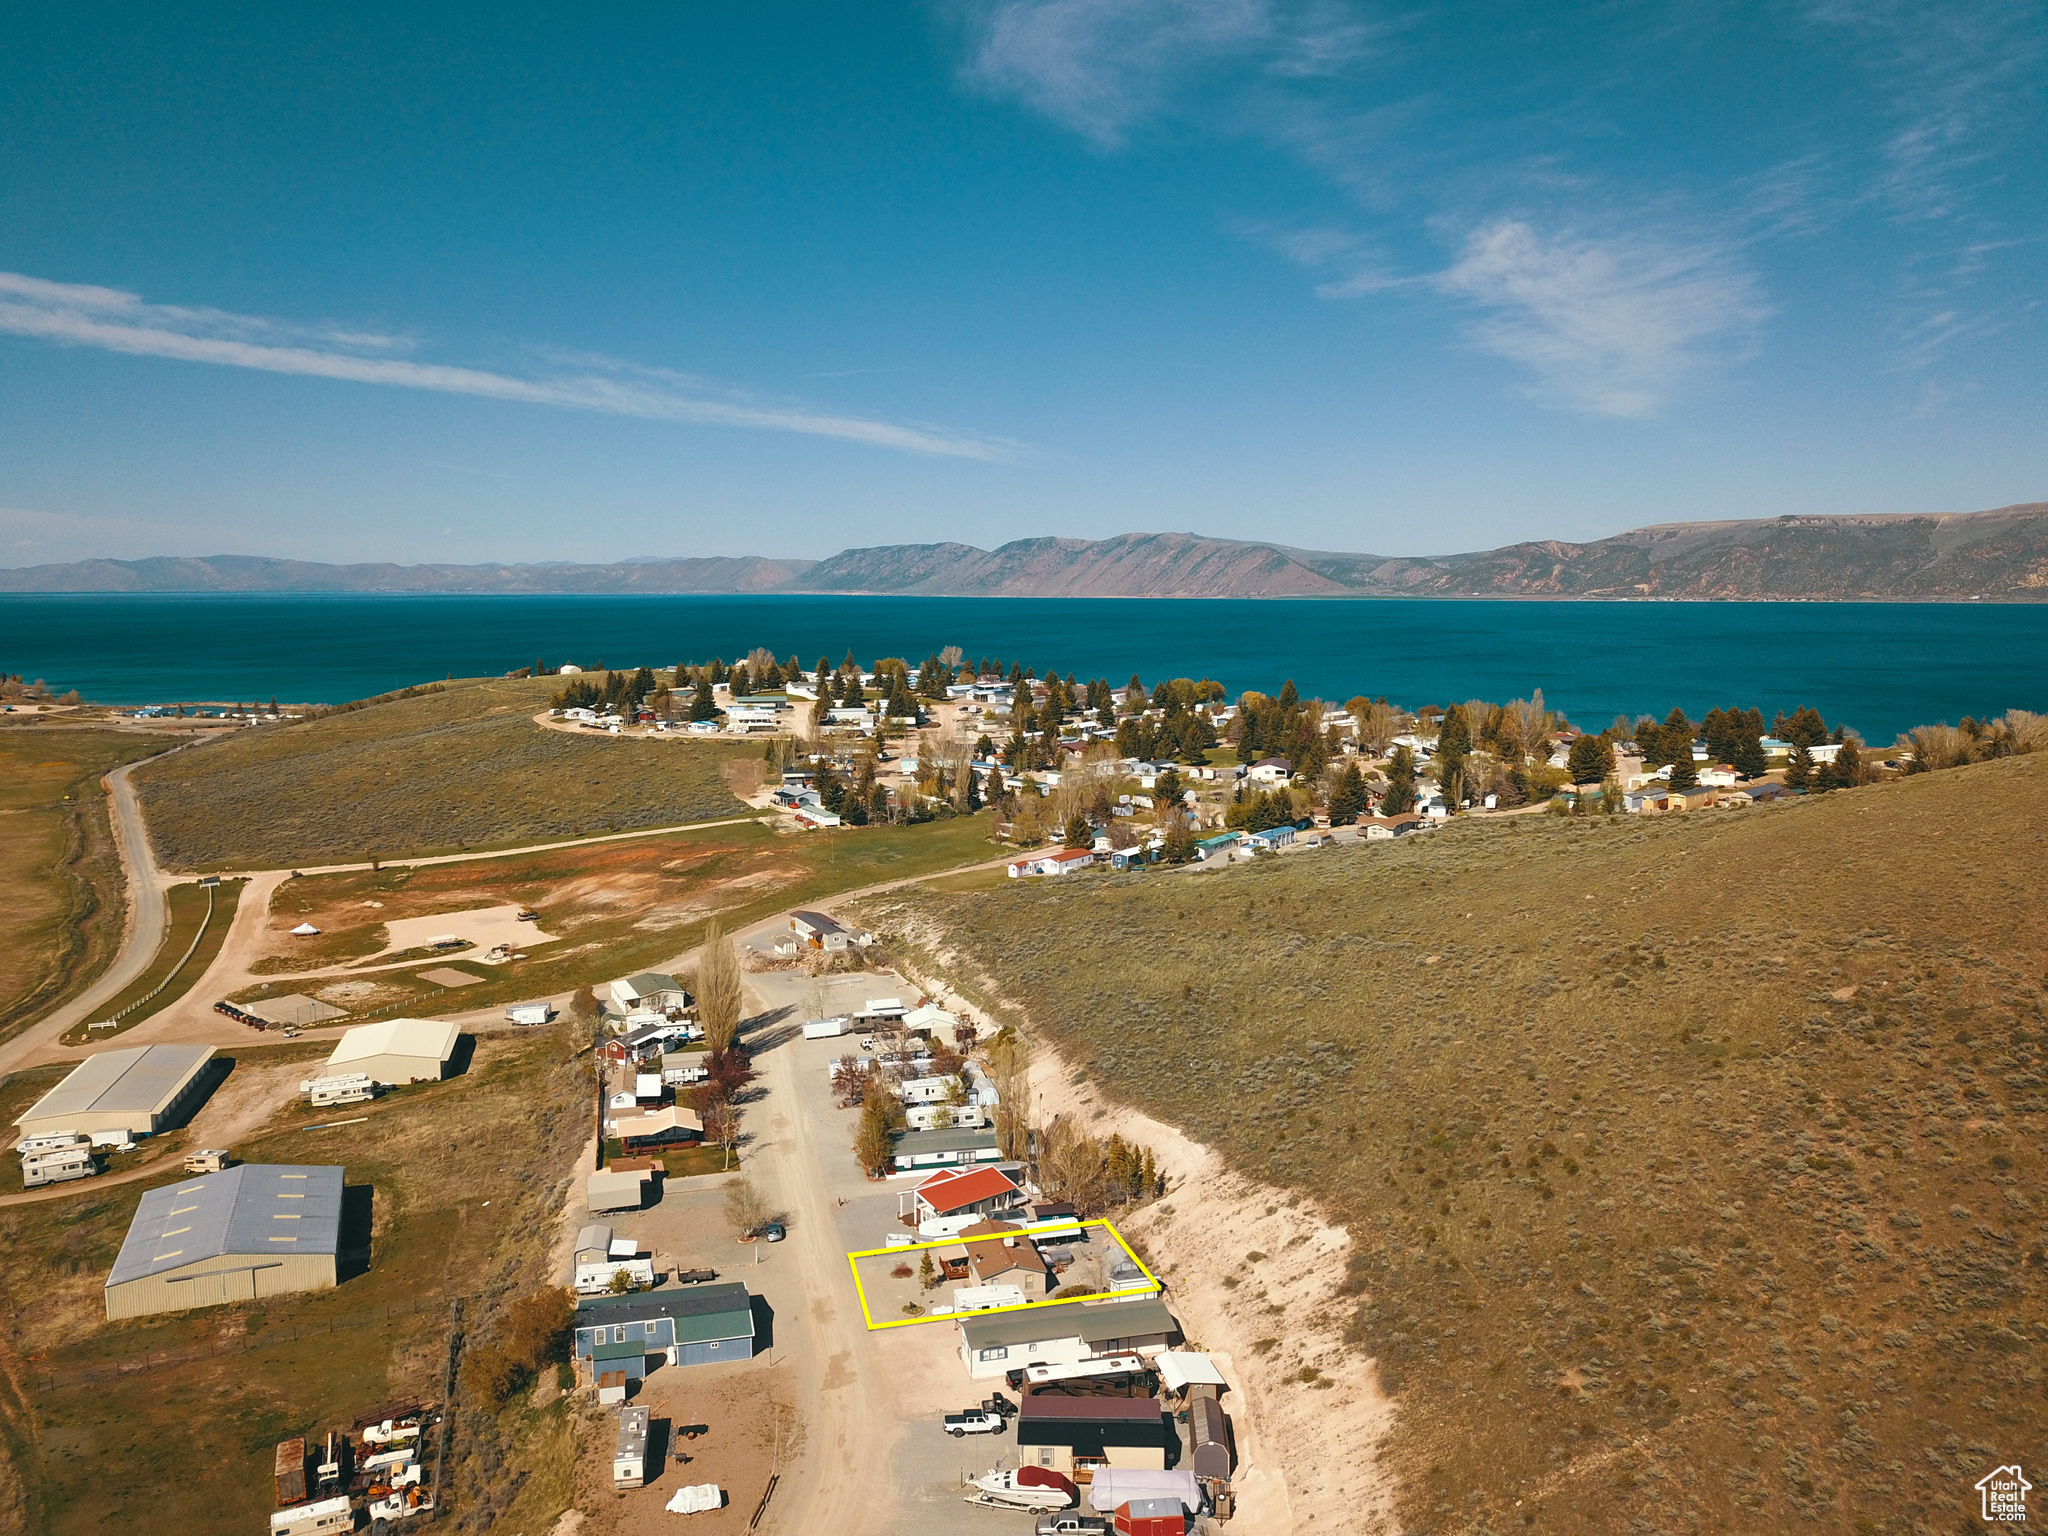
x,y
118,1095
397,1051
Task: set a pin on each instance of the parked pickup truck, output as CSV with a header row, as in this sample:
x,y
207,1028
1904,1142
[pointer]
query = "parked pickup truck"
x,y
975,1421
1072,1525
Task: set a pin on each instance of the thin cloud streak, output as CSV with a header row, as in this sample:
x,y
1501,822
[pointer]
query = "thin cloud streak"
x,y
112,321
1606,326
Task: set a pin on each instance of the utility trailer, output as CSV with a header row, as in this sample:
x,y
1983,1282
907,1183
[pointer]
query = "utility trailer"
x,y
629,1461
329,1517
290,1472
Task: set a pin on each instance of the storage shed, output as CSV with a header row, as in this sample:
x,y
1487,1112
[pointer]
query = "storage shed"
x,y
1208,1435
614,1191
397,1051
1150,1517
118,1095
260,1229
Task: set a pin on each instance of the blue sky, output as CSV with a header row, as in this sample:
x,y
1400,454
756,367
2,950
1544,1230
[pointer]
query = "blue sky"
x,y
537,284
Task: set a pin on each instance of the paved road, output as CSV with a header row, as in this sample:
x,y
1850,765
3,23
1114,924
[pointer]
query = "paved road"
x,y
148,911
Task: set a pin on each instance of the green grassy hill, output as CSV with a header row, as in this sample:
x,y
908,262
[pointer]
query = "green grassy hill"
x,y
460,767
1694,1164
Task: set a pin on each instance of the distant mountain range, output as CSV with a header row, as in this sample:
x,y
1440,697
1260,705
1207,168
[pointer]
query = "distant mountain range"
x,y
2000,555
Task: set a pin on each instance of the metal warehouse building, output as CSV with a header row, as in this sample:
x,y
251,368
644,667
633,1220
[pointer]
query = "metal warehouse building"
x,y
137,1091
262,1229
397,1051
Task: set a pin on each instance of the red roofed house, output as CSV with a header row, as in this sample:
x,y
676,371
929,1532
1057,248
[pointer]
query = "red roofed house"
x,y
964,1191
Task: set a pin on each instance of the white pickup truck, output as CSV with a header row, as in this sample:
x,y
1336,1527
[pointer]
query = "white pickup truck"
x,y
975,1421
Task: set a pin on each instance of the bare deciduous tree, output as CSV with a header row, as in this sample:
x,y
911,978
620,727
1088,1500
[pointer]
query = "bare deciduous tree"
x,y
745,1206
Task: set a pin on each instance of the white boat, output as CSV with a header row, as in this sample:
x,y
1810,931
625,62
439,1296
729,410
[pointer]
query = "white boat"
x,y
1025,1488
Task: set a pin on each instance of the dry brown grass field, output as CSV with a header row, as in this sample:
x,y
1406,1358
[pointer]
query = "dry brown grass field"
x,y
458,1189
61,906
614,907
458,768
1693,1163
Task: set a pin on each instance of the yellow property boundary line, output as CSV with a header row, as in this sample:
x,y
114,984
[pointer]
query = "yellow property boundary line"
x,y
1022,1306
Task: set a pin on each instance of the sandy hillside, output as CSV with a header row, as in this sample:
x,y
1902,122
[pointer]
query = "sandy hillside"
x,y
1253,1274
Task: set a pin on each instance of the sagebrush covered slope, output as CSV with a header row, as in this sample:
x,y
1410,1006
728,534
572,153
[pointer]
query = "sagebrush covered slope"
x,y
1693,1163
464,766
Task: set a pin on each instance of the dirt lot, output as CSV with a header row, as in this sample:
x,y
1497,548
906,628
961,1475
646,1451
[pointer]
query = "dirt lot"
x,y
726,1424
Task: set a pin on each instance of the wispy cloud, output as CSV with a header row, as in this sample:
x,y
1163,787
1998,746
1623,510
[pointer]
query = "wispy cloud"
x,y
1608,326
70,314
1098,66
1949,77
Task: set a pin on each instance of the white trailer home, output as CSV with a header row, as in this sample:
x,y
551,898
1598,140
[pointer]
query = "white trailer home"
x,y
629,1461
343,1088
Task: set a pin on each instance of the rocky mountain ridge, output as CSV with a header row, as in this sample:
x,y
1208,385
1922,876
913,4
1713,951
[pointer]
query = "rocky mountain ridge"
x,y
1998,555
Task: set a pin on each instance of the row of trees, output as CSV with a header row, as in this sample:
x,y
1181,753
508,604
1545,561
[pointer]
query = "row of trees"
x,y
1094,1174
622,691
2014,734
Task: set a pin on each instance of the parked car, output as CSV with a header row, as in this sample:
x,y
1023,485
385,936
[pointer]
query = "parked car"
x,y
1072,1525
975,1421
773,1233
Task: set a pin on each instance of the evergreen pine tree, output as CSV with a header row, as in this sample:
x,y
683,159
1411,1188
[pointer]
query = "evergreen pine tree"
x,y
703,706
1683,775
1078,833
1749,760
1400,796
1799,772
1592,759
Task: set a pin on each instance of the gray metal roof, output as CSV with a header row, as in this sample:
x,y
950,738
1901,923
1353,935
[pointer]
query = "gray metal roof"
x,y
1088,1321
923,1143
701,1313
257,1208
141,1079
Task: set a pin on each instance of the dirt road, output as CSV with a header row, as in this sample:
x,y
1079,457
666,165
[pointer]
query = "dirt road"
x,y
849,1415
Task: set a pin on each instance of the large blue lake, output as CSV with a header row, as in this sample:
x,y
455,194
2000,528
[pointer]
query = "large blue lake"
x,y
1877,667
